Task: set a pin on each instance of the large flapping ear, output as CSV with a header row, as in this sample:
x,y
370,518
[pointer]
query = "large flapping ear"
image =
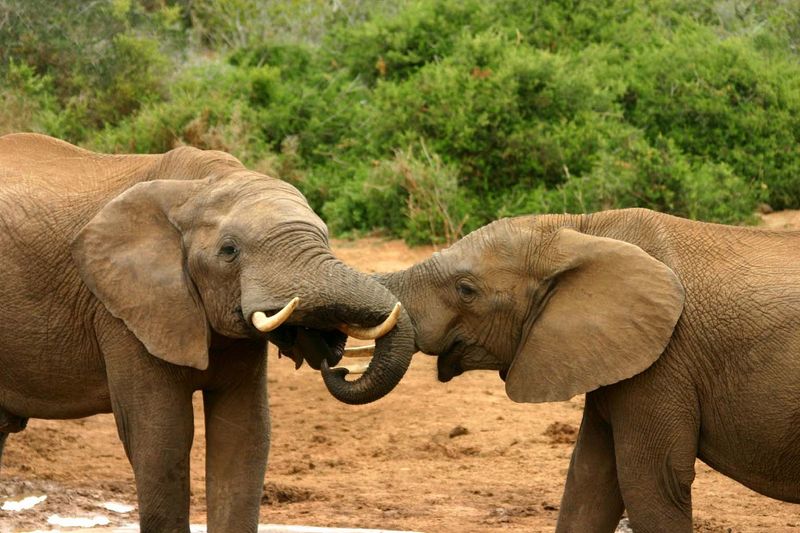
x,y
609,314
130,256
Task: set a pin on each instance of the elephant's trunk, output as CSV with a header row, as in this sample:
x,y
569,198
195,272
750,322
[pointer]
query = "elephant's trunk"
x,y
334,296
389,363
393,351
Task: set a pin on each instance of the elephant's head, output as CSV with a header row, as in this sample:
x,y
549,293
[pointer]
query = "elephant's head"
x,y
205,245
558,312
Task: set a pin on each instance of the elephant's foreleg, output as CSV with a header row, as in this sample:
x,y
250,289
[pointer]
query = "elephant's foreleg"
x,y
152,405
656,446
592,499
237,444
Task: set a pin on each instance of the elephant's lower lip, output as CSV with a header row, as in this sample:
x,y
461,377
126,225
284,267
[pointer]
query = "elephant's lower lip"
x,y
448,367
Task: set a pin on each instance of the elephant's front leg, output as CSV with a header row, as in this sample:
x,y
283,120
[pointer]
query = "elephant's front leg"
x,y
152,405
237,441
592,501
656,446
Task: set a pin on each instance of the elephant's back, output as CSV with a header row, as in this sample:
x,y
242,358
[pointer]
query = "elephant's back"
x,y
48,186
50,164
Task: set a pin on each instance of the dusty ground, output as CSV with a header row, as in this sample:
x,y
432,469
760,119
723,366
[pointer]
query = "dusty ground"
x,y
456,457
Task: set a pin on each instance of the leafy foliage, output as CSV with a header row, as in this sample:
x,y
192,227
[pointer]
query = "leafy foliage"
x,y
427,119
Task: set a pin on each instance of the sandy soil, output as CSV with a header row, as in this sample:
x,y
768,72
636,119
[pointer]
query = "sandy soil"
x,y
432,457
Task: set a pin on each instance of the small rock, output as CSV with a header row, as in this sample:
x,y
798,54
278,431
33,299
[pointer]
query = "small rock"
x,y
458,431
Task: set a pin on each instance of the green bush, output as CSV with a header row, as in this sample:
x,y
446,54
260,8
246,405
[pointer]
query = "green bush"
x,y
662,178
723,101
103,59
425,119
416,196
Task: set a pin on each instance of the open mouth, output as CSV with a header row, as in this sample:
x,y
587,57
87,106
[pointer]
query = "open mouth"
x,y
449,365
315,337
312,345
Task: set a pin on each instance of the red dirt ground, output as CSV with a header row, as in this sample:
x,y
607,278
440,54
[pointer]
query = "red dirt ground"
x,y
432,457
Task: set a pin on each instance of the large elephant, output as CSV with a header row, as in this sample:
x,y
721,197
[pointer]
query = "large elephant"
x,y
684,335
128,282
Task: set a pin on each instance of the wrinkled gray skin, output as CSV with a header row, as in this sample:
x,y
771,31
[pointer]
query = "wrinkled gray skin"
x,y
684,335
128,283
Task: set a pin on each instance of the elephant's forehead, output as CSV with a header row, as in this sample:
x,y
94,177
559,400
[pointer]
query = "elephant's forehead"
x,y
257,201
260,217
485,252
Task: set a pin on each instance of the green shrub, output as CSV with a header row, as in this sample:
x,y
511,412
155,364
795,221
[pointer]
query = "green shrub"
x,y
425,119
662,178
27,99
724,102
415,195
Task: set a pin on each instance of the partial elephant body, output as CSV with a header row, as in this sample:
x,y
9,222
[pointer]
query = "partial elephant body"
x,y
684,335
48,191
130,282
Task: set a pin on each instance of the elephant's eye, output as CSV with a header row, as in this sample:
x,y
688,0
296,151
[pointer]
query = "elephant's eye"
x,y
228,251
466,290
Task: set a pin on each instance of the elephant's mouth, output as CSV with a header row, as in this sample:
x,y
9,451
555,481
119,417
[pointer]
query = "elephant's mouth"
x,y
315,336
462,357
449,365
313,345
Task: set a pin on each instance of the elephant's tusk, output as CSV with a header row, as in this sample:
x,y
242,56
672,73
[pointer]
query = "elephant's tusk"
x,y
359,351
376,332
355,368
265,323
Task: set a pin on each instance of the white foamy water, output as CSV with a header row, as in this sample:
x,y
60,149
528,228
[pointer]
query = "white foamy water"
x,y
63,521
118,507
24,503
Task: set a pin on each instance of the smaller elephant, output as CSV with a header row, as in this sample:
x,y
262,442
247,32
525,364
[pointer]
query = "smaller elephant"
x,y
684,335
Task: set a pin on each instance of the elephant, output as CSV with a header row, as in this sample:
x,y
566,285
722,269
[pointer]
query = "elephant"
x,y
684,335
131,281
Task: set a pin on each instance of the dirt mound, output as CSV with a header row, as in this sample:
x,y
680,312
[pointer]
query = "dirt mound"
x,y
561,433
276,494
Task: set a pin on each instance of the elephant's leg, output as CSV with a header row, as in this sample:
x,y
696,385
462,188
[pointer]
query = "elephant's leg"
x,y
592,500
656,447
237,444
9,424
152,405
3,437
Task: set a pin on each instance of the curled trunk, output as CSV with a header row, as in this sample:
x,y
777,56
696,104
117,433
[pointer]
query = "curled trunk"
x,y
390,361
337,297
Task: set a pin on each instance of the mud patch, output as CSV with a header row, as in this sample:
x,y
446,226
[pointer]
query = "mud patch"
x,y
561,433
66,502
276,494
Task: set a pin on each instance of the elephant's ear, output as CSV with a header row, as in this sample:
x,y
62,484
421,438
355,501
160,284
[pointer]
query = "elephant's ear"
x,y
608,315
130,256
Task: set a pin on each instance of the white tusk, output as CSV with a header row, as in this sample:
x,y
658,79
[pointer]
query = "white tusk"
x,y
265,323
359,351
355,368
376,332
